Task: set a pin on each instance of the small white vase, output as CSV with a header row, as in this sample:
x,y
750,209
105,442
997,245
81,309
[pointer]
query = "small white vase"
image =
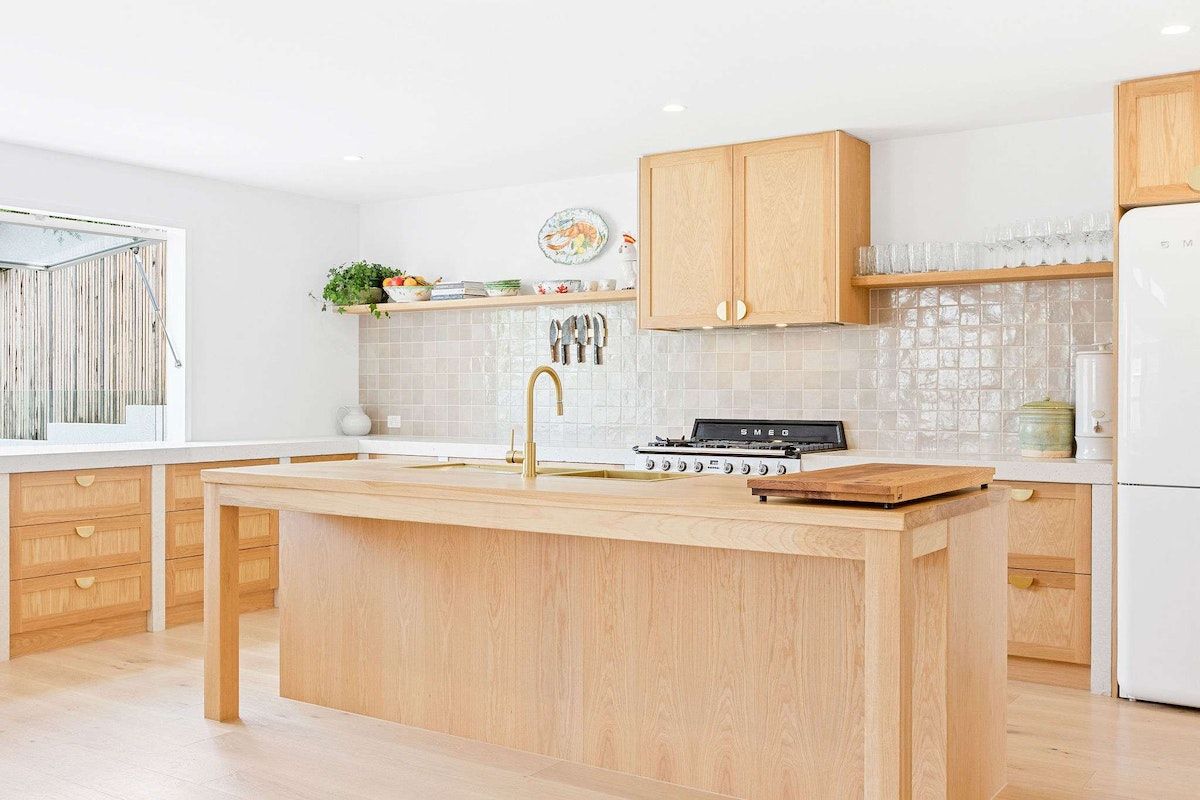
x,y
353,421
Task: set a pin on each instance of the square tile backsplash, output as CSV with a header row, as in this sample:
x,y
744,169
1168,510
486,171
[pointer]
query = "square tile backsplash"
x,y
939,369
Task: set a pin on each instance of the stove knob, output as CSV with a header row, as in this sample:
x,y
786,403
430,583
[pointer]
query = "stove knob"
x,y
728,467
649,463
745,468
681,465
781,469
763,469
666,465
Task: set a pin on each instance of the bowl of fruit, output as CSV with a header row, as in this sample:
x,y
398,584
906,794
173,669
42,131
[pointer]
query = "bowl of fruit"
x,y
407,288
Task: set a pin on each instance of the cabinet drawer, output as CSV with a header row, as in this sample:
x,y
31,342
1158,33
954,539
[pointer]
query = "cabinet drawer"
x,y
184,487
257,527
41,497
1049,615
316,459
258,570
39,550
74,597
1050,526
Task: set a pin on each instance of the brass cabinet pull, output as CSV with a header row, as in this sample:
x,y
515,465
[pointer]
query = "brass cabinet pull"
x,y
741,309
86,583
723,310
1194,179
1020,495
85,480
84,531
1021,581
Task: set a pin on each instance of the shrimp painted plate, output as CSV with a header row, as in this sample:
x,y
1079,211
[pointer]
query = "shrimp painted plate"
x,y
573,236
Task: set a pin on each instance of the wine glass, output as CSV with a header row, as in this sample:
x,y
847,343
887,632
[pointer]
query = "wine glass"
x,y
991,247
1043,232
1006,237
1065,231
1087,235
1104,236
1023,234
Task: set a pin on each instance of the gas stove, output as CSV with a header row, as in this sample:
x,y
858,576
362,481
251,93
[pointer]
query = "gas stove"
x,y
746,447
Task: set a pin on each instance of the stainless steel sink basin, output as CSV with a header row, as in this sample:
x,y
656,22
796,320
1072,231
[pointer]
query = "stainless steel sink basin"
x,y
622,475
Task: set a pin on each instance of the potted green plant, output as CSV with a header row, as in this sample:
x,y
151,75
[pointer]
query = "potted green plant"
x,y
356,284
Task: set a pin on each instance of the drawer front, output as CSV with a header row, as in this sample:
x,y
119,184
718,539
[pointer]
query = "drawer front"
x,y
316,459
184,487
1049,615
39,603
41,497
39,550
258,570
1050,526
257,527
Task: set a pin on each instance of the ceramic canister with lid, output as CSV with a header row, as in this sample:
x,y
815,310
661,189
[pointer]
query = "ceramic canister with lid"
x,y
1047,429
1094,397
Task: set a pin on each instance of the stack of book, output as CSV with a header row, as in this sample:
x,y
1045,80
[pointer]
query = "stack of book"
x,y
458,290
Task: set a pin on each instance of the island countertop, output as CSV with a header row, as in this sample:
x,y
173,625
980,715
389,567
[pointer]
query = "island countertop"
x,y
705,510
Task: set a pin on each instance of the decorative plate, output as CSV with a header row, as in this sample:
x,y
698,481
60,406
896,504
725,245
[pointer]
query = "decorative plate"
x,y
573,236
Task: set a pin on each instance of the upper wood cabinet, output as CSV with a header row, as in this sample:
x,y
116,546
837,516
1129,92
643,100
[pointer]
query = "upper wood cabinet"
x,y
762,233
1158,140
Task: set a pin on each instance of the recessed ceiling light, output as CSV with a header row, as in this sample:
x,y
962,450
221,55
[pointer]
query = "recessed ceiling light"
x,y
352,158
674,108
1175,30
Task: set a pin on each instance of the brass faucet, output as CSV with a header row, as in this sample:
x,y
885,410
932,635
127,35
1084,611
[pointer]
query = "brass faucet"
x,y
529,459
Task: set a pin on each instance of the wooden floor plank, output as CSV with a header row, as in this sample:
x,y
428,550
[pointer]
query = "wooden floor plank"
x,y
124,719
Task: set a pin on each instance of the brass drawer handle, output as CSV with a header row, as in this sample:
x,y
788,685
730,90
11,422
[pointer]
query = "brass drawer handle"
x,y
86,583
84,531
723,310
85,480
1021,581
1020,495
741,309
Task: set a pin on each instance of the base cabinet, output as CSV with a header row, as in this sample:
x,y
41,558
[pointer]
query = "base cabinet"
x,y
258,575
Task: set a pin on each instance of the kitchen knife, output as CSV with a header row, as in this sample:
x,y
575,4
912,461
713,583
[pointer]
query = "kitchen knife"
x,y
583,335
600,336
555,337
568,338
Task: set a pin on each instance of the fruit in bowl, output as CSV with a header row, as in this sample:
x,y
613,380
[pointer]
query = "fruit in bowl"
x,y
558,287
408,288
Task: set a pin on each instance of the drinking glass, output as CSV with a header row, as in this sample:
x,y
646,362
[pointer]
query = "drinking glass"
x,y
918,257
967,255
899,257
1043,233
1065,232
883,259
863,266
991,248
1104,236
1023,234
1006,238
1087,236
943,256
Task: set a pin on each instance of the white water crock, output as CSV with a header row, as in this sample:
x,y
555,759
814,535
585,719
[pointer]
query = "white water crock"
x,y
353,421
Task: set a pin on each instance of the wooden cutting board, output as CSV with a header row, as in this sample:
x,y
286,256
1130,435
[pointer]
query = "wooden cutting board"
x,y
882,484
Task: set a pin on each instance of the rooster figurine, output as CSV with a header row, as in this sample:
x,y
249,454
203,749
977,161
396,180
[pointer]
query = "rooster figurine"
x,y
629,261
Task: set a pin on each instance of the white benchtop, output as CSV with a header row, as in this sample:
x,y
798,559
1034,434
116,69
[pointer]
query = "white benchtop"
x,y
42,457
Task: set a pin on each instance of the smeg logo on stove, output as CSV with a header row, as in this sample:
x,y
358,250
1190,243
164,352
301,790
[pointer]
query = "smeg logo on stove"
x,y
1167,244
759,432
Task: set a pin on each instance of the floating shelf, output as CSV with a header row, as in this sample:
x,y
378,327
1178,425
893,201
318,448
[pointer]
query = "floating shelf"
x,y
500,302
1056,272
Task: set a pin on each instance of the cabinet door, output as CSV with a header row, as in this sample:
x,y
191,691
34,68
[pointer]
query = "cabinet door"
x,y
685,215
785,231
1158,139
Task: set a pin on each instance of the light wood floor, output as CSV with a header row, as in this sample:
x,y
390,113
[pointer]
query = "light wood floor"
x,y
123,719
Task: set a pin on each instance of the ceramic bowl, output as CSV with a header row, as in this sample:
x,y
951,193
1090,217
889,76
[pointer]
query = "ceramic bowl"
x,y
505,288
557,287
408,294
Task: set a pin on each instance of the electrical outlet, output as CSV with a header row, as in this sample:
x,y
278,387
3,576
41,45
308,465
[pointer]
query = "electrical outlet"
x,y
393,421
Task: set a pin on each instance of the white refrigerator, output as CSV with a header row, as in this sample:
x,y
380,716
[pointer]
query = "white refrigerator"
x,y
1158,455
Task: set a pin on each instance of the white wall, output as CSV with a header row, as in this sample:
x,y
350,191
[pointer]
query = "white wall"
x,y
492,234
952,186
261,361
945,187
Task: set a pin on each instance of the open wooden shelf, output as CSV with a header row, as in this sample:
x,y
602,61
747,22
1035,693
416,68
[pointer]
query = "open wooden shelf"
x,y
1055,272
501,302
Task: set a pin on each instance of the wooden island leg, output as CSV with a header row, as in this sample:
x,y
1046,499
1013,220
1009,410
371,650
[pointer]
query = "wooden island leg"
x,y
220,607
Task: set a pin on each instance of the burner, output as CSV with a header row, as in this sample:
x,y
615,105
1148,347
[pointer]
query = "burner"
x,y
767,438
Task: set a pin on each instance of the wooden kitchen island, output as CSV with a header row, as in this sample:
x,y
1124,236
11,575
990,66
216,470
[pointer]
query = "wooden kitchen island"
x,y
674,629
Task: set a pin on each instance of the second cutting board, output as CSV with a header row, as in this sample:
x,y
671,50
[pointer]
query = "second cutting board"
x,y
879,484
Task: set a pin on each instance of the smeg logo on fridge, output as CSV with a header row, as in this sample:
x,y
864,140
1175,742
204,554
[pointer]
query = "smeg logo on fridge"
x,y
759,432
1168,244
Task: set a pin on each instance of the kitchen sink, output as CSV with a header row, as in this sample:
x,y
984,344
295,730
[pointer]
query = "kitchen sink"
x,y
621,475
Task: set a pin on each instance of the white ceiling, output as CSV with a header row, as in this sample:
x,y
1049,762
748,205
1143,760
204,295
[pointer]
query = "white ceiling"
x,y
449,95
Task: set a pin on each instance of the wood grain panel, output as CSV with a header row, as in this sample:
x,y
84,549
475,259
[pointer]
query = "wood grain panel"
x,y
1158,139
258,571
184,488
686,252
785,246
1051,619
42,639
1052,530
56,600
44,497
599,650
319,459
38,550
929,646
853,225
257,527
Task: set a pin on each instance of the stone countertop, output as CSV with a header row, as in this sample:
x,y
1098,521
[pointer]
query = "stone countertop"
x,y
41,457
1008,467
